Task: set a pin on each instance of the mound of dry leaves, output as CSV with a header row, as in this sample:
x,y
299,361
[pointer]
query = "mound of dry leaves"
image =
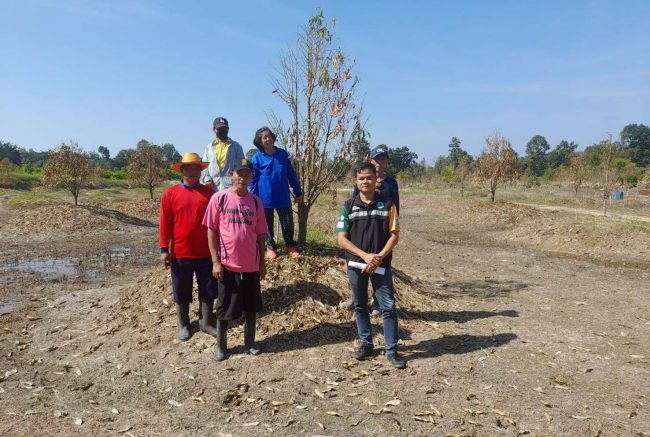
x,y
298,296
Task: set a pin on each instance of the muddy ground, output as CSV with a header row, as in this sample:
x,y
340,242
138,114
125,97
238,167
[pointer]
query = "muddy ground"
x,y
514,321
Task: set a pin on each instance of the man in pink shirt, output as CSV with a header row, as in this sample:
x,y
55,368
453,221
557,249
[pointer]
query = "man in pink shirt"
x,y
236,233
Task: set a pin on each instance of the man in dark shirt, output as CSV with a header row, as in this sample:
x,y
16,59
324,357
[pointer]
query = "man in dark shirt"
x,y
388,188
368,230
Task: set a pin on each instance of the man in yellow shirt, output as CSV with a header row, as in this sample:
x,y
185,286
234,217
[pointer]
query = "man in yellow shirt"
x,y
223,154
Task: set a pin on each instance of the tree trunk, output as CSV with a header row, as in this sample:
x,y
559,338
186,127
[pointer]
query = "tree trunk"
x,y
151,192
493,192
303,215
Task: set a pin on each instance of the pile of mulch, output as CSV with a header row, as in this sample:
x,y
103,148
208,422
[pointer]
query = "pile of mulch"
x,y
301,297
501,213
594,237
147,209
60,217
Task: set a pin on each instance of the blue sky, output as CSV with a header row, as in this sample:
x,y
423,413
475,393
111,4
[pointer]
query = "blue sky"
x,y
113,72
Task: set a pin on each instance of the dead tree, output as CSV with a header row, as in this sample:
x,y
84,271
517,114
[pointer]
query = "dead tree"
x,y
68,167
315,81
497,163
146,167
578,172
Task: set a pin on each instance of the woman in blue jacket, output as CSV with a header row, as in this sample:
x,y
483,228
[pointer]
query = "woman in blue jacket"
x,y
273,173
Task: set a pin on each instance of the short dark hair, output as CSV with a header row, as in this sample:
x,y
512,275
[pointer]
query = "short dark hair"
x,y
365,166
257,141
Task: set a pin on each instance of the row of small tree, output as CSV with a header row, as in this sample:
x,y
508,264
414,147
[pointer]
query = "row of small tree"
x,y
30,160
498,164
69,167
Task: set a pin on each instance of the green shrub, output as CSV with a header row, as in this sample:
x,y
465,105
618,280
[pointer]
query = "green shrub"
x,y
117,174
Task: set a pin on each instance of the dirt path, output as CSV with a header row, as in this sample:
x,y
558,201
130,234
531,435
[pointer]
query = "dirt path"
x,y
630,217
501,339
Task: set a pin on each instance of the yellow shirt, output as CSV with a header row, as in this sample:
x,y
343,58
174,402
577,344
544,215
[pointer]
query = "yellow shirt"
x,y
221,150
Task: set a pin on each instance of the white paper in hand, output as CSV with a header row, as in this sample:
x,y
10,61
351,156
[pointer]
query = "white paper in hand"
x,y
361,266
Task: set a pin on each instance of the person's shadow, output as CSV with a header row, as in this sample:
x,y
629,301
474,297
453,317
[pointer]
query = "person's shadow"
x,y
119,216
285,338
455,344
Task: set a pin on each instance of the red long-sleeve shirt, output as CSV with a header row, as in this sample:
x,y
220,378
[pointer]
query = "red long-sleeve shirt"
x,y
181,215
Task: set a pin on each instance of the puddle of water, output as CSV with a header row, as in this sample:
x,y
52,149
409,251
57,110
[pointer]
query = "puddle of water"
x,y
51,268
91,268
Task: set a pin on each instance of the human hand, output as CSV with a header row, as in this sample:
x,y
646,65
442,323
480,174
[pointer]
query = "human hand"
x,y
166,259
217,270
299,200
372,259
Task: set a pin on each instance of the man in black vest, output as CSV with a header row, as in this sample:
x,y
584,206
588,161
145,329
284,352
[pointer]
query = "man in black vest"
x,y
368,230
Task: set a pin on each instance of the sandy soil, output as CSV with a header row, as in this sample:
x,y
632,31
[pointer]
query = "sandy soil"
x,y
514,321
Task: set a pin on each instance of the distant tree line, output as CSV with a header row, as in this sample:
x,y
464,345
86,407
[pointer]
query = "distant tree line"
x,y
30,161
69,166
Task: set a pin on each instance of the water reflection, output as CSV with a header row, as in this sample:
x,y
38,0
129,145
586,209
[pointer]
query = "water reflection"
x,y
91,268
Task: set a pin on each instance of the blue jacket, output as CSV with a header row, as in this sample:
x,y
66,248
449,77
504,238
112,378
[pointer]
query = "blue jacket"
x,y
272,175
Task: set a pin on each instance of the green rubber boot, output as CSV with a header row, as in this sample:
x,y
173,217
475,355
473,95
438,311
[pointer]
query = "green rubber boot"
x,y
206,317
221,351
249,333
183,321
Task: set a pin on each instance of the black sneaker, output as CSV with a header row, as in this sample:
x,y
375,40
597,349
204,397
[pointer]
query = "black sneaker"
x,y
397,361
363,352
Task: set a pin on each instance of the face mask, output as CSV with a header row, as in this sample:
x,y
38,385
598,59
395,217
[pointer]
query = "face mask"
x,y
222,135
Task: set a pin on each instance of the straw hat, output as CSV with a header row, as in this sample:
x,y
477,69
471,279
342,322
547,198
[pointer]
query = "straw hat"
x,y
189,158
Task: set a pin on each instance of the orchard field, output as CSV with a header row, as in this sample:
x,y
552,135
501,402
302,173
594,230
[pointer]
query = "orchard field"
x,y
527,316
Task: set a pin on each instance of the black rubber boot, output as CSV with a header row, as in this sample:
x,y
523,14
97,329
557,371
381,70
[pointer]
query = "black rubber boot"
x,y
206,317
183,321
221,351
249,333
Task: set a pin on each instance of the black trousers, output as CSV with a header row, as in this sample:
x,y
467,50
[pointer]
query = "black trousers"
x,y
285,215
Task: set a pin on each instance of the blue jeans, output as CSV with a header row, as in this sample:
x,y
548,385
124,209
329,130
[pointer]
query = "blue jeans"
x,y
384,296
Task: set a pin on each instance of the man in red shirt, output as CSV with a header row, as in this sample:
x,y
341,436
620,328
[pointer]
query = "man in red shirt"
x,y
184,244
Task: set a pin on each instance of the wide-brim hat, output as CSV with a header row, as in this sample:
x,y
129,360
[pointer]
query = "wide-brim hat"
x,y
189,158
